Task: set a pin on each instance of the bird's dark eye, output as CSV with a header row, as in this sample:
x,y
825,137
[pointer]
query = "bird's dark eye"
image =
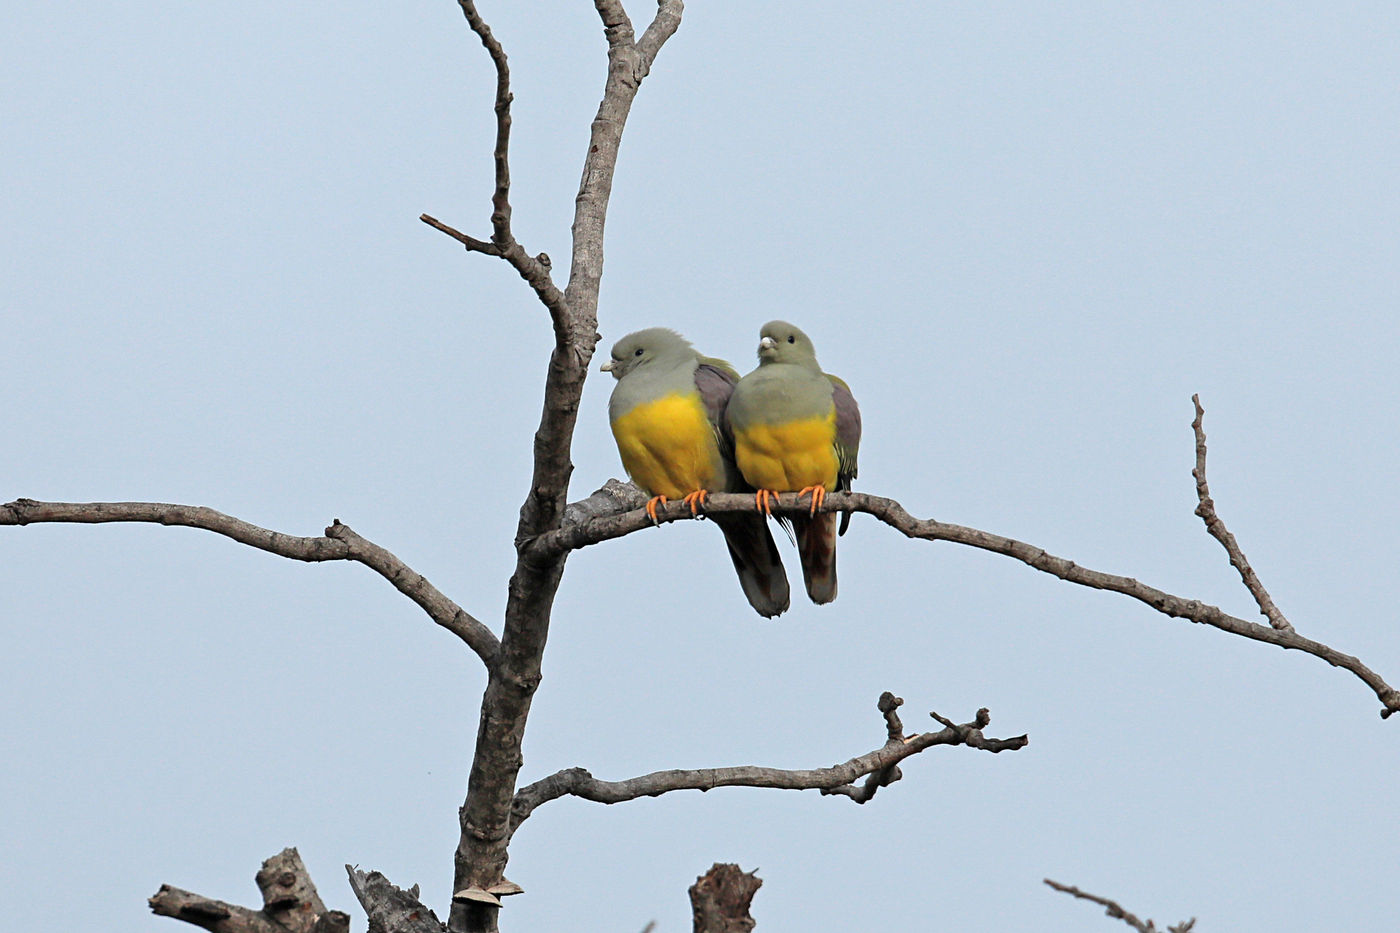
x,y
792,339
639,352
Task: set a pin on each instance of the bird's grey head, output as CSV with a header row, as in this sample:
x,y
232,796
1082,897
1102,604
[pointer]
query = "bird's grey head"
x,y
645,347
781,342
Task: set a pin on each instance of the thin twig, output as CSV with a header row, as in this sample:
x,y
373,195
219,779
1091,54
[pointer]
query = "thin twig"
x,y
338,543
470,242
1115,910
835,780
500,198
1218,531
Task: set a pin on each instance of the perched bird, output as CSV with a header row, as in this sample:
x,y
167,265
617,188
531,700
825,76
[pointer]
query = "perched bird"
x,y
797,429
666,412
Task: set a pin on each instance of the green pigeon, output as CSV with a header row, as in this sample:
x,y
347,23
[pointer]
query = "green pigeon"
x,y
666,411
797,429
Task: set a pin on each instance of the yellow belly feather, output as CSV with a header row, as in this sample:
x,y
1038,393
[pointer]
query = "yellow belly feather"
x,y
788,457
668,446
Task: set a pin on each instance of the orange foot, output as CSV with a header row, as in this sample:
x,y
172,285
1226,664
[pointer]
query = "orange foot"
x,y
764,499
818,496
652,503
696,501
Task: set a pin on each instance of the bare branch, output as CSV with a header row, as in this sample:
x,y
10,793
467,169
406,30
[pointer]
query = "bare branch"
x,y
500,199
338,543
1218,531
605,527
837,779
663,27
290,904
1112,909
416,587
612,498
472,244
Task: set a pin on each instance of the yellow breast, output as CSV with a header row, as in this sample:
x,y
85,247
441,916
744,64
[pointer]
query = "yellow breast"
x,y
668,446
788,457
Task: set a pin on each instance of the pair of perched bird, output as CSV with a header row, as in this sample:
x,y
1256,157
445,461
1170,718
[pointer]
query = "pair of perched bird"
x,y
687,425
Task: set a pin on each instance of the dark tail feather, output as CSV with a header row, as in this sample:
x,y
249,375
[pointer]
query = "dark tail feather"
x,y
756,560
816,543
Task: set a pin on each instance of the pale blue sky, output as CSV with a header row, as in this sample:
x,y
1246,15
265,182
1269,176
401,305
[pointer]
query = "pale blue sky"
x,y
1024,233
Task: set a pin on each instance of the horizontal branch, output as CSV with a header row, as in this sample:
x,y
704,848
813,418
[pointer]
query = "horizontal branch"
x,y
605,526
837,779
340,542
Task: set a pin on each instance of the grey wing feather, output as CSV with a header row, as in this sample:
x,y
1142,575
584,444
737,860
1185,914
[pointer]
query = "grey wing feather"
x,y
847,438
847,432
715,385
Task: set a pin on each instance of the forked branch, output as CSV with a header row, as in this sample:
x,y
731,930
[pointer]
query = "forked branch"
x,y
878,766
339,542
533,269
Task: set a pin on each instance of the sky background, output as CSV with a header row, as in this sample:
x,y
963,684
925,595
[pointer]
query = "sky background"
x,y
1024,233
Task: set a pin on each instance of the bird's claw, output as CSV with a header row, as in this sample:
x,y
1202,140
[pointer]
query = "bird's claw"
x,y
696,501
818,496
652,503
764,499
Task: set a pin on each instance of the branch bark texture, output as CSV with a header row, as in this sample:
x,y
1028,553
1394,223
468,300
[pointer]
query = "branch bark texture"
x,y
391,909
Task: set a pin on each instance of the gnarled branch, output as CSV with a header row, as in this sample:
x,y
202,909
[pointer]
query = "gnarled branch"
x,y
290,904
879,764
338,543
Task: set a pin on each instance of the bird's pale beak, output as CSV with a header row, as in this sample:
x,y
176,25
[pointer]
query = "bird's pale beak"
x,y
767,343
607,367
